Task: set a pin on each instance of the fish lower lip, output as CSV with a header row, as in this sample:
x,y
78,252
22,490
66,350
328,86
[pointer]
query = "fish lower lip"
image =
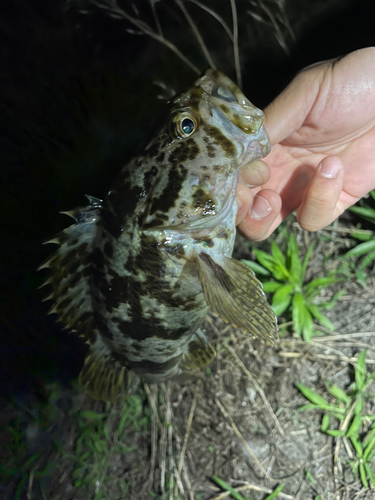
x,y
255,145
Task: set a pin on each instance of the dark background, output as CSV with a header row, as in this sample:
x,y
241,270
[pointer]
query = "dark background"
x,y
77,99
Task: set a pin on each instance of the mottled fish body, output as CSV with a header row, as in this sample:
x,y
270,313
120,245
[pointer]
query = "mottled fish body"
x,y
136,273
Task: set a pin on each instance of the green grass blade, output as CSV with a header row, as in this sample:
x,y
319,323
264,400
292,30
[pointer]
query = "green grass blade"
x,y
257,268
355,426
336,412
323,320
367,212
297,315
361,249
312,396
325,423
307,325
339,394
306,260
330,303
278,256
227,487
275,493
369,448
370,434
30,461
271,286
294,263
281,299
360,370
359,406
357,445
362,236
313,287
367,260
370,474
335,433
265,260
363,476
20,487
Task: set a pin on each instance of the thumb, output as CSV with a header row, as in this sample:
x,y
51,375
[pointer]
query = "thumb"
x,y
320,205
289,110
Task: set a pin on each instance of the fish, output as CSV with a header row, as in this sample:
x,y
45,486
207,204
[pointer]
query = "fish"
x,y
137,272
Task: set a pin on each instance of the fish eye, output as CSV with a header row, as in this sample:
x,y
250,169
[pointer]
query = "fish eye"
x,y
185,125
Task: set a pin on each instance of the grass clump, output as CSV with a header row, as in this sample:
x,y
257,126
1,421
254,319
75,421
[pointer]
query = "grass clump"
x,y
18,465
237,496
293,297
362,255
101,441
345,419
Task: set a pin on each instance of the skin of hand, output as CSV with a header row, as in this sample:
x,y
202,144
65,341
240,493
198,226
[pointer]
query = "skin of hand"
x,y
322,131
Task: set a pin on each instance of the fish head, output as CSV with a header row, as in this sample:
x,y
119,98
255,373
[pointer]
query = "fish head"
x,y
191,167
216,101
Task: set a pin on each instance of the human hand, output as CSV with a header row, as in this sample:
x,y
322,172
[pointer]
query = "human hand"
x,y
322,128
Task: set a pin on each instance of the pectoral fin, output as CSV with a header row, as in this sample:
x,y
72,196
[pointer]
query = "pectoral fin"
x,y
235,294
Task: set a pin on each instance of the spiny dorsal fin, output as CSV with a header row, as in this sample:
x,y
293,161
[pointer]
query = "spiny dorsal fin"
x,y
235,294
70,265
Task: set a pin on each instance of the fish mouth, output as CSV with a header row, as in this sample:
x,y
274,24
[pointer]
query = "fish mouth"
x,y
231,103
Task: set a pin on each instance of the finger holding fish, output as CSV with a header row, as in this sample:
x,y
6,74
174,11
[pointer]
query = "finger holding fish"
x,y
257,208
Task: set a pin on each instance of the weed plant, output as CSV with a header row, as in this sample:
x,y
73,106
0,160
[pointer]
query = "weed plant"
x,y
366,249
17,465
345,419
101,440
237,496
293,297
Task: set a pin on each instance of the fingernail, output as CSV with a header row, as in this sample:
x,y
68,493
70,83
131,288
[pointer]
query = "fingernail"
x,y
330,169
260,209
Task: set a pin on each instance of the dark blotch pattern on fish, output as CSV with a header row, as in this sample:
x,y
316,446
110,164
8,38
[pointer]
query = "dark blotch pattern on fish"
x,y
211,152
204,203
187,150
149,177
176,250
171,192
116,289
108,249
152,263
151,367
102,326
120,205
218,138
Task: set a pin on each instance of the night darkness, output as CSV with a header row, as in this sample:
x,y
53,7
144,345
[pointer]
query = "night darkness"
x,y
77,101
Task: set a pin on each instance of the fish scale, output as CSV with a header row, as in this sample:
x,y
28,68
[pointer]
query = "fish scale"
x,y
137,272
